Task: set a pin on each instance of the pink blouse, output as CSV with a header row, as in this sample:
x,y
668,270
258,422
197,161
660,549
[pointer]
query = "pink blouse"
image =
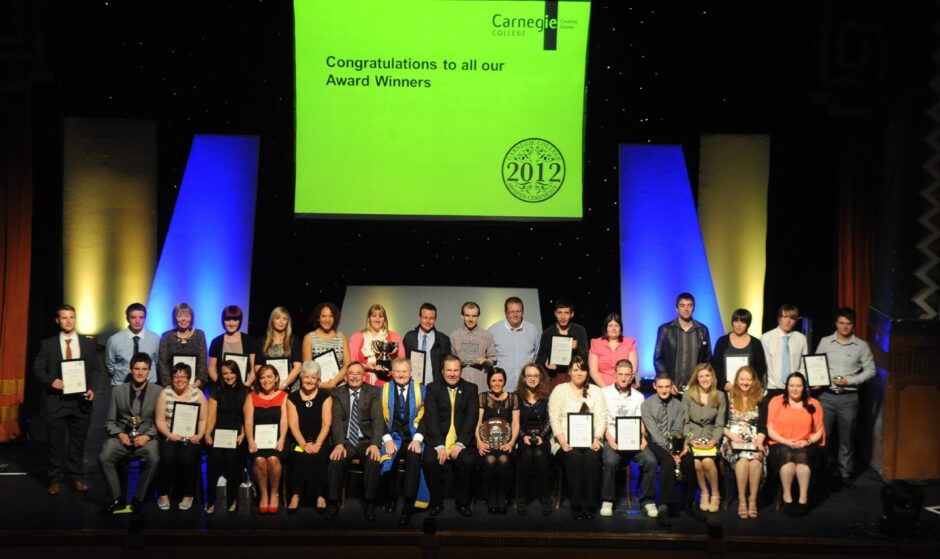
x,y
607,359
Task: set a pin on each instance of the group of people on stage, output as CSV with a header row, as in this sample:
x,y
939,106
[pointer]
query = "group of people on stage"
x,y
505,401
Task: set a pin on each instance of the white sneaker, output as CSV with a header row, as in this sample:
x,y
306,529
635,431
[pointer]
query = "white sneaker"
x,y
651,510
607,509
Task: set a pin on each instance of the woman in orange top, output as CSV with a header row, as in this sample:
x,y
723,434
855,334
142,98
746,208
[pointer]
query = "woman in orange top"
x,y
795,427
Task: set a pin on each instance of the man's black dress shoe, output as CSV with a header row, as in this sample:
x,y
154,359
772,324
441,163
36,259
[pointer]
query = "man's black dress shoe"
x,y
435,510
390,507
405,520
137,506
368,511
464,510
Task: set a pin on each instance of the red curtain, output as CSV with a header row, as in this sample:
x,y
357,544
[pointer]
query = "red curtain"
x,y
855,203
16,199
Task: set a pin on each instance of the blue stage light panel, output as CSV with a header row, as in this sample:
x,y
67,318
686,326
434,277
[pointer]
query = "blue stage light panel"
x,y
206,257
661,249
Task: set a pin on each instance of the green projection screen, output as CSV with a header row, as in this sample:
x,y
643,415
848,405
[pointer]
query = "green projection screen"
x,y
467,109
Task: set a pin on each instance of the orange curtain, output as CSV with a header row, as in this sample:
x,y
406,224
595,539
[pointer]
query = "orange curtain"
x,y
856,225
16,199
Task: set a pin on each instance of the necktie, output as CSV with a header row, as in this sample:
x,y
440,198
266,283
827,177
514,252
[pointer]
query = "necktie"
x,y
663,418
785,366
68,348
136,345
452,432
424,343
400,403
354,433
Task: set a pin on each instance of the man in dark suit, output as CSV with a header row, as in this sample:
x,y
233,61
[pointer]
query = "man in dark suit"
x,y
67,415
425,337
357,429
135,399
451,410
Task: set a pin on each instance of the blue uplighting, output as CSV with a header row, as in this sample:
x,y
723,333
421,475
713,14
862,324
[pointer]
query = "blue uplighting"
x,y
206,257
661,249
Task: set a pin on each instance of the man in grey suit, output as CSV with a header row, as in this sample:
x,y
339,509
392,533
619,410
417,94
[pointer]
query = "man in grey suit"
x,y
67,415
133,409
357,429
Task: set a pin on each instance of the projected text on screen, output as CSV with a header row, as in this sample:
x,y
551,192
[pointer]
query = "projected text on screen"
x,y
466,109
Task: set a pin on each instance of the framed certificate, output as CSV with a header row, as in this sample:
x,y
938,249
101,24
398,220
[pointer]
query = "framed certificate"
x,y
580,430
817,369
282,364
225,438
266,435
329,367
73,376
629,435
561,350
417,365
189,360
185,419
733,363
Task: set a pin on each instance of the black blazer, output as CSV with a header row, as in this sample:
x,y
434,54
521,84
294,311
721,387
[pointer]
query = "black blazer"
x,y
46,368
120,409
439,351
436,421
371,421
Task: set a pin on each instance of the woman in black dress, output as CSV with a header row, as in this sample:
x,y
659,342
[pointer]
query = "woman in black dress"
x,y
226,409
309,415
497,467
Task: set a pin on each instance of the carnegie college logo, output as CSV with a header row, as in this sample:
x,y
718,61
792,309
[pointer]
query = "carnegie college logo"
x,y
533,170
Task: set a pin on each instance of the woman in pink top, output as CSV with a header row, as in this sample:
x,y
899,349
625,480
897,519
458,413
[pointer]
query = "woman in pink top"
x,y
608,349
795,427
360,345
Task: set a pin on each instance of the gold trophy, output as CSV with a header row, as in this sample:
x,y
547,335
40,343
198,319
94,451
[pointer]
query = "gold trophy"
x,y
134,422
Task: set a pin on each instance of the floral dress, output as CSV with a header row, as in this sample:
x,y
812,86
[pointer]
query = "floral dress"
x,y
744,424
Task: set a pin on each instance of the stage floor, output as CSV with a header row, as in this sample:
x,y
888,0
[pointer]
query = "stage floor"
x,y
841,523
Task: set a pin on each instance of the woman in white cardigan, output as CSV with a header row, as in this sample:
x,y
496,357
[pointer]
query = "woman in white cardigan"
x,y
582,463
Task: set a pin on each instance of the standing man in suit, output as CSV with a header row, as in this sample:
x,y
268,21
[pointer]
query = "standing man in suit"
x,y
425,337
67,415
357,430
451,410
135,399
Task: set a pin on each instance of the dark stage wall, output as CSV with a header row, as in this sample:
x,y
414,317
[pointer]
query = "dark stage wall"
x,y
840,88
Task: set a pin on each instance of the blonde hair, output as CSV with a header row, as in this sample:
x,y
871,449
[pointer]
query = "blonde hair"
x,y
376,307
288,334
754,396
694,389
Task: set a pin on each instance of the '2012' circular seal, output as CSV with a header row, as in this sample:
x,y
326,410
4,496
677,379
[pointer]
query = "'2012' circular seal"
x,y
533,170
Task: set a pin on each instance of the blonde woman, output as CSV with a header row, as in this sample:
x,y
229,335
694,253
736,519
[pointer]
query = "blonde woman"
x,y
360,345
705,408
280,342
